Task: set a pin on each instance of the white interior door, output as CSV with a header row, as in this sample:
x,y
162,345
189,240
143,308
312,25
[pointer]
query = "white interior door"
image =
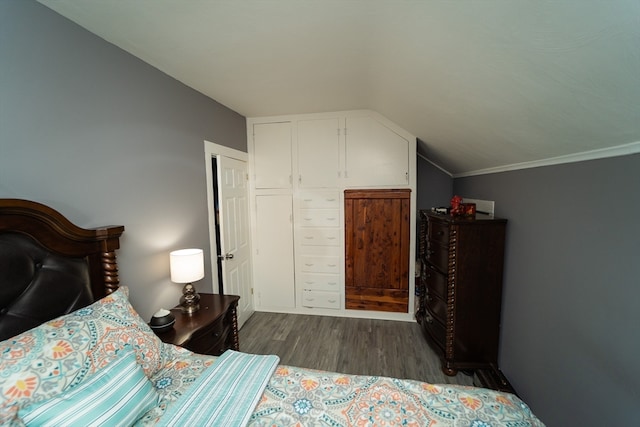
x,y
234,233
233,225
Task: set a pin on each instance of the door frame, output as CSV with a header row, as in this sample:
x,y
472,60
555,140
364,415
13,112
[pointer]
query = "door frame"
x,y
213,150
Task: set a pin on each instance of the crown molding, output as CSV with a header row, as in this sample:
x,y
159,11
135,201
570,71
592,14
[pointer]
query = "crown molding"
x,y
602,153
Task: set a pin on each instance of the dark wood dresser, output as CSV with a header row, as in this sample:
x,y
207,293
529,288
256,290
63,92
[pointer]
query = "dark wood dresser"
x,y
460,289
210,330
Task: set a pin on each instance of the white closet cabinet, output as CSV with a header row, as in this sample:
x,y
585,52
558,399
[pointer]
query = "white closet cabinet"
x,y
375,155
272,155
319,153
274,261
301,166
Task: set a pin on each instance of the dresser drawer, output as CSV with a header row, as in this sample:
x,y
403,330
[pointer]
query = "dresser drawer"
x,y
320,217
320,264
320,282
438,231
320,236
436,307
435,329
321,299
435,282
438,256
322,200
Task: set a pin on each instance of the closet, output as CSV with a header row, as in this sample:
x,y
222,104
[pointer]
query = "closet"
x,y
305,163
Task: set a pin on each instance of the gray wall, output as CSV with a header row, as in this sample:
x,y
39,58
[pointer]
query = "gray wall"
x,y
434,187
570,339
105,138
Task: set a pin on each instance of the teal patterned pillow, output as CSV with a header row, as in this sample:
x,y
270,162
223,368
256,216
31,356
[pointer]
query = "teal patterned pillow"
x,y
42,362
116,395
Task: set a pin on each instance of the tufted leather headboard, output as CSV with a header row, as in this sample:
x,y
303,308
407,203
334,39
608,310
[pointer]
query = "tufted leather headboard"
x,y
49,266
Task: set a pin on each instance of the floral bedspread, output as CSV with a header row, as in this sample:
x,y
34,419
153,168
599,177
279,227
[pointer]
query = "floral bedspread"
x,y
52,358
305,397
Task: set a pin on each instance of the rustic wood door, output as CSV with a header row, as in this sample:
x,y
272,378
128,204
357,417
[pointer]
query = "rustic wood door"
x,y
377,243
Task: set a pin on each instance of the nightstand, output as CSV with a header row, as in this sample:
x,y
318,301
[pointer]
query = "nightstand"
x,y
210,330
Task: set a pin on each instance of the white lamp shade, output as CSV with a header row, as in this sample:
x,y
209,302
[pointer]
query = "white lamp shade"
x,y
187,265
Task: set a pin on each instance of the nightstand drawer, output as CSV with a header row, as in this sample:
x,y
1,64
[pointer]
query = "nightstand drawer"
x,y
210,330
215,342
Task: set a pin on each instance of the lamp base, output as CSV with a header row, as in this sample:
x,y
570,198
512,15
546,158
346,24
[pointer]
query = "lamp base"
x,y
190,299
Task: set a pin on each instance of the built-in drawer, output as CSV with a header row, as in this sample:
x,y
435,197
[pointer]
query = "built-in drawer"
x,y
321,299
320,282
436,307
320,264
322,200
434,281
320,236
438,231
438,256
319,217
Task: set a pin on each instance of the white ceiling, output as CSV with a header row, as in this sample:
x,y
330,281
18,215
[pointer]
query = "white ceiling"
x,y
482,83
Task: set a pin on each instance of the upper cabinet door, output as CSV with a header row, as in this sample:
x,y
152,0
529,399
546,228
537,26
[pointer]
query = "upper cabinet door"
x,y
319,153
272,155
375,154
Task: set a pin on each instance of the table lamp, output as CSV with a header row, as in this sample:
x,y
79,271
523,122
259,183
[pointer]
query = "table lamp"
x,y
187,266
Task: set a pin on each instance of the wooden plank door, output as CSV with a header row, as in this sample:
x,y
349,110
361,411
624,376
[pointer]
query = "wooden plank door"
x,y
377,243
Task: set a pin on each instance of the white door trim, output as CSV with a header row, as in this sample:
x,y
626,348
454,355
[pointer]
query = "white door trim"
x,y
213,150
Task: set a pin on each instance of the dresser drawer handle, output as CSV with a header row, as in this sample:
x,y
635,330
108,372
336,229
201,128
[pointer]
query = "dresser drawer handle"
x,y
332,301
308,237
308,264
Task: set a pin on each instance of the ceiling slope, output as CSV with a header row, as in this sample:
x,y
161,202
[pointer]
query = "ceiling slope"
x,y
483,84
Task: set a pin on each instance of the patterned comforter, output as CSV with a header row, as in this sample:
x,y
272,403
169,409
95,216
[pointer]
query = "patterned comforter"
x,y
54,359
304,397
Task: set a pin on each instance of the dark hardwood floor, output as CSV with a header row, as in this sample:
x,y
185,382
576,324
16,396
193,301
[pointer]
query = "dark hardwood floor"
x,y
347,345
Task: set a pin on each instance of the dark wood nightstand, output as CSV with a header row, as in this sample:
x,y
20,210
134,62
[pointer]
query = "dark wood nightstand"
x,y
210,330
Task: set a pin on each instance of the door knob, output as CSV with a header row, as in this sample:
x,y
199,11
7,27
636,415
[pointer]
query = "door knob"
x,y
225,256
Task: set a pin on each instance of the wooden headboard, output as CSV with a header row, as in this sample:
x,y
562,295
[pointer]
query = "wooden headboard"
x,y
49,266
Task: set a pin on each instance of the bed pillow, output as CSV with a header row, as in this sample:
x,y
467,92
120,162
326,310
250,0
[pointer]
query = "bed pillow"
x,y
42,362
117,394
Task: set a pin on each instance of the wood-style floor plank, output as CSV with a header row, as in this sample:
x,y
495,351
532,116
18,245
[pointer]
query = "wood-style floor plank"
x,y
347,345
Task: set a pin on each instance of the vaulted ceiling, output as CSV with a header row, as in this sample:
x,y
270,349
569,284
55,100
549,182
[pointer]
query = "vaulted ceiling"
x,y
483,84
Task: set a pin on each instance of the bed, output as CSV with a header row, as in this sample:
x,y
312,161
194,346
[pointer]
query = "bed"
x,y
73,349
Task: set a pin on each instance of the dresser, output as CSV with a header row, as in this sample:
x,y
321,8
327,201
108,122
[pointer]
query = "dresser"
x,y
210,330
460,289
